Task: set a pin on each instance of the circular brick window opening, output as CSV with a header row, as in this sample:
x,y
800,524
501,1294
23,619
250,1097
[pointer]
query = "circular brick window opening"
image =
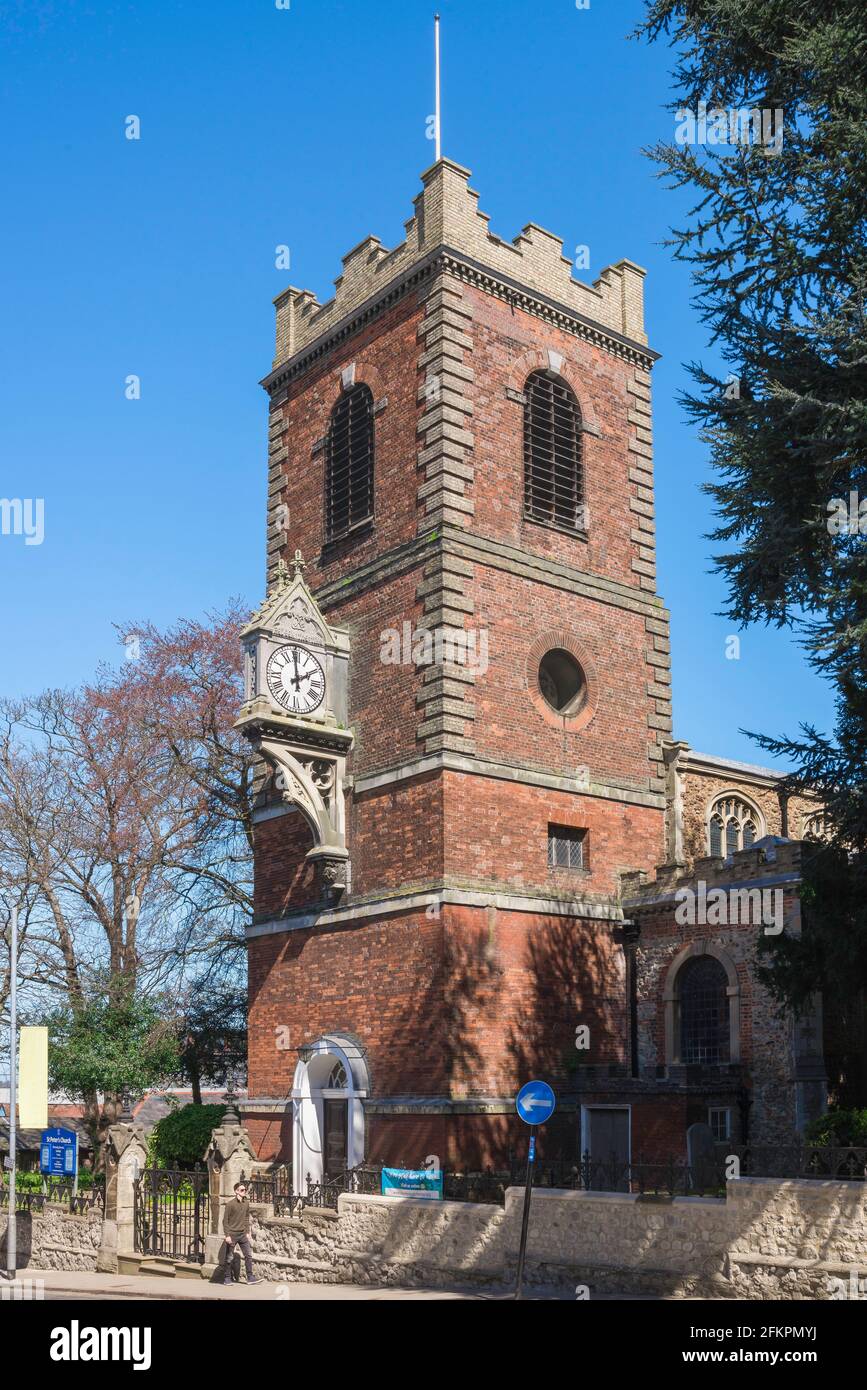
x,y
562,683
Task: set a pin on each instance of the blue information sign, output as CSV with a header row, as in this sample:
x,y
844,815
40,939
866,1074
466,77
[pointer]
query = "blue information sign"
x,y
58,1152
535,1102
413,1182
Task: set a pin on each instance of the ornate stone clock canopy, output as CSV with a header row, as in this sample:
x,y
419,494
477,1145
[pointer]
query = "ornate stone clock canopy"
x,y
308,750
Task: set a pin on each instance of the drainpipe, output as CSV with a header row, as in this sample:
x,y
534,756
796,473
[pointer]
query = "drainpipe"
x,y
631,933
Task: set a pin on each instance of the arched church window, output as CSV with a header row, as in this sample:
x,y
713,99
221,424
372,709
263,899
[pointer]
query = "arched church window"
x,y
553,452
703,1012
817,826
337,1078
733,824
349,462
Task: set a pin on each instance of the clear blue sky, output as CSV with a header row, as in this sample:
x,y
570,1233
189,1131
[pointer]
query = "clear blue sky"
x,y
305,126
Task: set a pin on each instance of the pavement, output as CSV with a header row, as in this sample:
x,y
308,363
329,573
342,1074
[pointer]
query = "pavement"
x,y
69,1285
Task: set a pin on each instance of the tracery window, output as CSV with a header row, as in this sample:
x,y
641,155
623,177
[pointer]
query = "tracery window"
x,y
817,826
733,824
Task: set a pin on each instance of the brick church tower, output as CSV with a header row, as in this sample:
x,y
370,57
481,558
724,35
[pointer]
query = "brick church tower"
x,y
459,694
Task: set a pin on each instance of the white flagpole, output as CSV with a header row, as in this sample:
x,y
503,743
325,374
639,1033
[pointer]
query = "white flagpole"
x,y
437,103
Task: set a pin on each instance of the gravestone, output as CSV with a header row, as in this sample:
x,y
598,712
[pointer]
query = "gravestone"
x,y
701,1155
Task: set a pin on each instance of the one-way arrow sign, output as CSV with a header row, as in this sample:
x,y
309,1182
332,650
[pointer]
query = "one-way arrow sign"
x,y
535,1102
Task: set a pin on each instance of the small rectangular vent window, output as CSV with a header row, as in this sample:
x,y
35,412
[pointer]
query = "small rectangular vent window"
x,y
567,847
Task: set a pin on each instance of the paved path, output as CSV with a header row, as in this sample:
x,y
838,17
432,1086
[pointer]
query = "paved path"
x,y
68,1285
74,1284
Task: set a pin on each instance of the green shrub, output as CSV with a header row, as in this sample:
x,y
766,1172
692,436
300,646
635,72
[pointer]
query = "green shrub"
x,y
180,1138
26,1182
839,1128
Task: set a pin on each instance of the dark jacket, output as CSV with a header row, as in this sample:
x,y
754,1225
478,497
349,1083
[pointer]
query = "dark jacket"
x,y
236,1218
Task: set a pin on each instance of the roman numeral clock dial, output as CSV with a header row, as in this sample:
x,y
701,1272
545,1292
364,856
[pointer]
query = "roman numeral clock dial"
x,y
296,679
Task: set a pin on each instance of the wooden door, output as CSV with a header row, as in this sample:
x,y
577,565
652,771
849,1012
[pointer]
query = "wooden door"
x,y
608,1143
336,1131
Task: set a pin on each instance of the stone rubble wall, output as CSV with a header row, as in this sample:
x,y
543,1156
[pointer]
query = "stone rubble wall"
x,y
54,1238
767,1239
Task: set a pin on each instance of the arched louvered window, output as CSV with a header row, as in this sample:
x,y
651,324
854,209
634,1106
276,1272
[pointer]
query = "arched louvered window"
x,y
553,452
702,992
349,471
733,825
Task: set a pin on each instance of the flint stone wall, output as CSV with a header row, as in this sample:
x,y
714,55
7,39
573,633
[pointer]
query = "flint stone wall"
x,y
54,1238
768,1239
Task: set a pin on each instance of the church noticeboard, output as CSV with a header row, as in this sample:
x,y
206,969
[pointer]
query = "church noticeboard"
x,y
412,1182
58,1152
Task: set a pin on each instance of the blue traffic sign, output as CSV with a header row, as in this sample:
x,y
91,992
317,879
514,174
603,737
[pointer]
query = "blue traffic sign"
x,y
58,1152
535,1102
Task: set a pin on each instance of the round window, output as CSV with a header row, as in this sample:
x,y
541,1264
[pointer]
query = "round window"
x,y
562,682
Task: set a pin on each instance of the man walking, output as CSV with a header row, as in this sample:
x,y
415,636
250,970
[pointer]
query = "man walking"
x,y
236,1229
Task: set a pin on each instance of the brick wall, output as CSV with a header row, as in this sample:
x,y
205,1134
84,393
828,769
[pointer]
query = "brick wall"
x,y
382,981
282,879
496,831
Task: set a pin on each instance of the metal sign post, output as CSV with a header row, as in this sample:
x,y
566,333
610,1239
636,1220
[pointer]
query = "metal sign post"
x,y
11,1231
535,1104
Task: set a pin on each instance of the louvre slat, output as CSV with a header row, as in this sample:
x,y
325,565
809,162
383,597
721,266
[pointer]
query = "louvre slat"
x,y
349,485
553,487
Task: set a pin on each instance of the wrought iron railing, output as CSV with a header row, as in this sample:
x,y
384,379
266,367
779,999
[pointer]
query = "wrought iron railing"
x,y
847,1162
58,1191
661,1178
273,1187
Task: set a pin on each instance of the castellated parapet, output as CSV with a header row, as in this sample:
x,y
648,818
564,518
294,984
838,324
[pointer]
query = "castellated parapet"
x,y
447,217
771,860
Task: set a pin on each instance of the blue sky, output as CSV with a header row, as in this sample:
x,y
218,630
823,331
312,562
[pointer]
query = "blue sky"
x,y
306,127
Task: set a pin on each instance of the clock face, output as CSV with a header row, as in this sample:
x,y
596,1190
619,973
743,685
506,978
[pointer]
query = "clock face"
x,y
296,679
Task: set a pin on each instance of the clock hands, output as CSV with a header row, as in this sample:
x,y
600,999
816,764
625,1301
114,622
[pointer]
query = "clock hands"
x,y
298,684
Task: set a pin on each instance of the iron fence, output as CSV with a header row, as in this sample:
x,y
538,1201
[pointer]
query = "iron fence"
x,y
274,1188
847,1162
650,1178
60,1191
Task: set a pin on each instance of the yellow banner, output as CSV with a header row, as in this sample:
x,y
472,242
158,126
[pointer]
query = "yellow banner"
x,y
33,1078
